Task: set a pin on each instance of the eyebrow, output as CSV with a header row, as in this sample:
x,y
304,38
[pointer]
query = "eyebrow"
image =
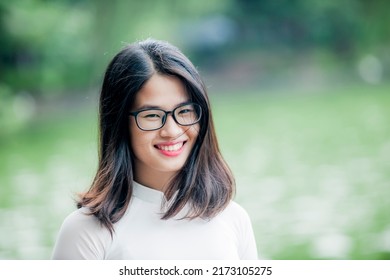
x,y
148,106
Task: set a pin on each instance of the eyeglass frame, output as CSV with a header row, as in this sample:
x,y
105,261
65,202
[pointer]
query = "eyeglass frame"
x,y
165,117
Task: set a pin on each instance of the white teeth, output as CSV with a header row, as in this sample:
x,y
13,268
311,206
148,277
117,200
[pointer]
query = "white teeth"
x,y
171,148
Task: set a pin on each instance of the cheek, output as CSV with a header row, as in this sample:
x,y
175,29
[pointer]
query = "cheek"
x,y
141,142
132,132
194,131
136,136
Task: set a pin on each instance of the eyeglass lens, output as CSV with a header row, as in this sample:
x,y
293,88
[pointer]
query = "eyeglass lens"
x,y
155,118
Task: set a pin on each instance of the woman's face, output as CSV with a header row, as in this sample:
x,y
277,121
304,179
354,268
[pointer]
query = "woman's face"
x,y
160,154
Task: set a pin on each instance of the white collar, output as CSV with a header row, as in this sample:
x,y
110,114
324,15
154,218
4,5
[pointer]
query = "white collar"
x,y
148,194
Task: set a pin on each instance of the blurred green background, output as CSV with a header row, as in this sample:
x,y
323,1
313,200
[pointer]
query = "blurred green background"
x,y
300,92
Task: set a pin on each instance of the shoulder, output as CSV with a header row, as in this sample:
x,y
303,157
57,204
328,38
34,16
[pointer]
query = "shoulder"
x,y
236,215
236,211
80,218
81,236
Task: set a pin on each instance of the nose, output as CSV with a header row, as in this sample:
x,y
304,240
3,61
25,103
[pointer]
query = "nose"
x,y
170,129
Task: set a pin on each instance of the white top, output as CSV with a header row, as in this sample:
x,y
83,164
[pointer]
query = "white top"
x,y
142,235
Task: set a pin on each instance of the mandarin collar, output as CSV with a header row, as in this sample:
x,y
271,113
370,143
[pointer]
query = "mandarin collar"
x,y
148,194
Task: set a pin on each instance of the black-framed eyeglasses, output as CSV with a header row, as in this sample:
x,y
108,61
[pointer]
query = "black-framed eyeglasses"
x,y
152,119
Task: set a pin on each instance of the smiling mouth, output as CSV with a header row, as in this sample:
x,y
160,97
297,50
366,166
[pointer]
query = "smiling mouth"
x,y
170,148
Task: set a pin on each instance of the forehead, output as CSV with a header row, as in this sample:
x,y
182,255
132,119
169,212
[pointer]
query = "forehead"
x,y
161,91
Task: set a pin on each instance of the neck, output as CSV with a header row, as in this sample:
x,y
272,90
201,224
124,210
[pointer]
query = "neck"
x,y
153,179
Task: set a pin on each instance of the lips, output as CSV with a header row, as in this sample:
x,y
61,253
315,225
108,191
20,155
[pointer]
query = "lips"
x,y
170,149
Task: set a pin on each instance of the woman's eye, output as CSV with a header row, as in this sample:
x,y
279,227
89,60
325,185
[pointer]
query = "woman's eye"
x,y
185,111
152,116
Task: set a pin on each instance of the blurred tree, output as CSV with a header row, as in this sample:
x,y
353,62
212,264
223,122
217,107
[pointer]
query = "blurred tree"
x,y
48,47
295,23
375,23
6,44
342,26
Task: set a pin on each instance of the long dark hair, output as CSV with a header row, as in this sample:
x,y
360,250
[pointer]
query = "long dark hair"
x,y
205,183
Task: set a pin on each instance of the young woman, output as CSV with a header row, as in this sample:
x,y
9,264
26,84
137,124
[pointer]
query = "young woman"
x,y
162,189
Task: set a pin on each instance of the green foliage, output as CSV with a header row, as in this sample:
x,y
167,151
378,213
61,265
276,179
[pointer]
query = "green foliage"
x,y
343,26
48,46
312,169
53,47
